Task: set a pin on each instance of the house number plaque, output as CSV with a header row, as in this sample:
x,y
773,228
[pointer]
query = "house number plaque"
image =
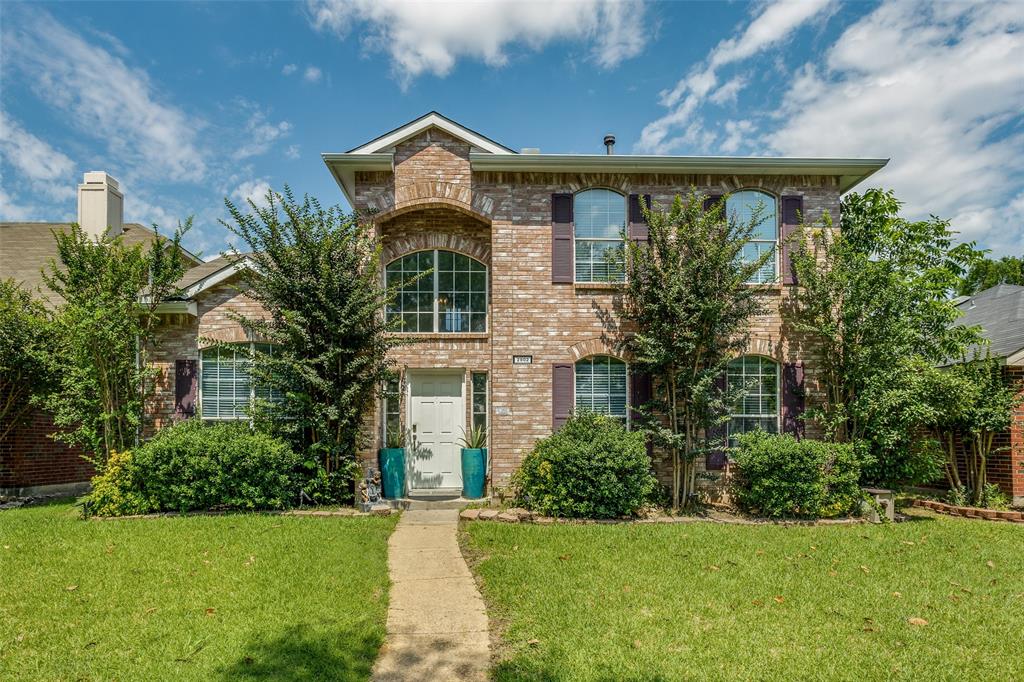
x,y
522,359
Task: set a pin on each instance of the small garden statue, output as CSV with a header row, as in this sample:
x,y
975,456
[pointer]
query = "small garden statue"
x,y
369,489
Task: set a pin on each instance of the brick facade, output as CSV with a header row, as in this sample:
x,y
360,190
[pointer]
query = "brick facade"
x,y
30,457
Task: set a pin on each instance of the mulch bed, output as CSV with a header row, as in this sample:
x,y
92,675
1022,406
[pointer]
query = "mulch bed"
x,y
519,515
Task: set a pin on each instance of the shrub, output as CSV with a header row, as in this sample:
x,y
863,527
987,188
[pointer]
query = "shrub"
x,y
334,488
781,476
591,468
193,465
118,490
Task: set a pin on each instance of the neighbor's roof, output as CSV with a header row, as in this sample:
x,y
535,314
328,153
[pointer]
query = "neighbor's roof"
x,y
27,248
488,155
999,312
212,272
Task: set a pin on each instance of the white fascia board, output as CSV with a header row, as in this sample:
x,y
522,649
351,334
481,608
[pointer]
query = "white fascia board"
x,y
1016,359
850,171
388,141
215,278
344,166
178,308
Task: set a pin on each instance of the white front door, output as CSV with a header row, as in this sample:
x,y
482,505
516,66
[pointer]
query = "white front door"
x,y
436,417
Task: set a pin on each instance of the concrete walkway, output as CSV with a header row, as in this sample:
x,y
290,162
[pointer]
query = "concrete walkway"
x,y
437,625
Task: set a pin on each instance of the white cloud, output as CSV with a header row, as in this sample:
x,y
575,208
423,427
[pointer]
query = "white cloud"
x,y
11,209
260,133
292,152
312,74
289,69
940,90
728,91
251,190
736,134
104,97
429,37
39,165
776,23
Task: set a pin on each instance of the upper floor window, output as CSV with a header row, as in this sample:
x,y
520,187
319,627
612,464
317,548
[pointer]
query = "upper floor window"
x,y
742,205
601,385
758,378
451,297
226,388
600,219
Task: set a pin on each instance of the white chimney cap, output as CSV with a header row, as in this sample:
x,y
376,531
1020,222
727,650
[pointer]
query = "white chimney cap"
x,y
100,205
99,178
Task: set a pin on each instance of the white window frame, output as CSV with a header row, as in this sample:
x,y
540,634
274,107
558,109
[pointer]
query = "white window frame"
x,y
252,384
775,243
629,379
575,238
437,306
778,396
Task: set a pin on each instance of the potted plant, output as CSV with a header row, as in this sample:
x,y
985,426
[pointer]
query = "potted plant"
x,y
392,465
474,462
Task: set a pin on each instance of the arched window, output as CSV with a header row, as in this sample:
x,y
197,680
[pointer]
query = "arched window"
x,y
599,217
742,205
758,408
601,385
226,389
452,297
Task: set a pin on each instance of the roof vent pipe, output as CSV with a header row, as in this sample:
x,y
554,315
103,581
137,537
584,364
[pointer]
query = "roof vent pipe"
x,y
609,144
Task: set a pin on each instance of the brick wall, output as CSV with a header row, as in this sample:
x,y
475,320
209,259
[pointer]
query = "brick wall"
x,y
30,457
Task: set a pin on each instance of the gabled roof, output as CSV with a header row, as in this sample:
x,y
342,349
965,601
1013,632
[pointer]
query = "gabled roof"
x,y
999,312
212,273
387,141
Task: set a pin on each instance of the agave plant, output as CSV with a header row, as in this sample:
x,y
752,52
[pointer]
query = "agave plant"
x,y
475,438
395,438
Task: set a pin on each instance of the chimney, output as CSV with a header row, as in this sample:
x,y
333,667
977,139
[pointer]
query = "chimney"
x,y
100,205
609,144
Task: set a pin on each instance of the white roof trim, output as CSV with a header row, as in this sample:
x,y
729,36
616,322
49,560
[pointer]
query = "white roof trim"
x,y
218,276
178,308
1015,359
388,141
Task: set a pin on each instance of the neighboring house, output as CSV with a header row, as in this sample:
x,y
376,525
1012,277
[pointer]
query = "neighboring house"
x,y
999,312
517,325
31,461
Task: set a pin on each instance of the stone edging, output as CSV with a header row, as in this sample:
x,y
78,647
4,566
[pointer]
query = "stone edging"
x,y
519,515
971,512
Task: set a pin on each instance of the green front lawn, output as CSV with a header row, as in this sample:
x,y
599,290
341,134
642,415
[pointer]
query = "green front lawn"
x,y
707,601
244,596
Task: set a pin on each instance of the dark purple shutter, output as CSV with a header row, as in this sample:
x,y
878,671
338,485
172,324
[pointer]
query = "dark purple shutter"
x,y
186,387
563,389
640,390
561,239
716,457
793,398
792,210
710,200
638,229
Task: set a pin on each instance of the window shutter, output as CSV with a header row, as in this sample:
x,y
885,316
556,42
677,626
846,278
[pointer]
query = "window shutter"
x,y
561,239
792,209
640,390
711,200
562,394
793,396
716,457
186,387
638,229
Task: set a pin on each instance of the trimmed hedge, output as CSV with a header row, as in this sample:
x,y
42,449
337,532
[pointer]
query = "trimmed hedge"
x,y
198,466
778,475
590,468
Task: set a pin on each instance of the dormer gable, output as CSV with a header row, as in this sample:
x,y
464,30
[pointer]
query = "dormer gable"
x,y
387,142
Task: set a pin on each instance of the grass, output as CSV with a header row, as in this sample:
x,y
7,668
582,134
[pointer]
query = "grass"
x,y
712,602
241,597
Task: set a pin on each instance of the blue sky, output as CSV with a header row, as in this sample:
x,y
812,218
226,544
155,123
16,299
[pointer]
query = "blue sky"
x,y
186,103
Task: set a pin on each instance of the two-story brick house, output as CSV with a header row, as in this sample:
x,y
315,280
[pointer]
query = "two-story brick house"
x,y
517,323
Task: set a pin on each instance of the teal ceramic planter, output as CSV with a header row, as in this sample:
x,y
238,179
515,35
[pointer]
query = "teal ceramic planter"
x,y
392,472
474,472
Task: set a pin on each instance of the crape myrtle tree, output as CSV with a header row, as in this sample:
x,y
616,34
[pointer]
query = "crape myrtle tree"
x,y
24,344
687,292
106,293
317,273
875,296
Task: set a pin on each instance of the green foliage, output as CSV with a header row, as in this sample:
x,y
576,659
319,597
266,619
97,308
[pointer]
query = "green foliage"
x,y
198,466
396,438
118,490
991,497
973,403
874,299
24,344
686,292
778,475
331,489
590,468
986,273
318,275
475,438
103,335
